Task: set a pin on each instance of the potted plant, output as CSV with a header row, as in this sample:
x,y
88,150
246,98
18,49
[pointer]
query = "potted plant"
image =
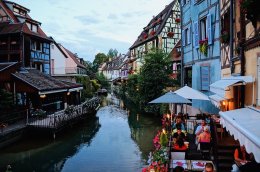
x,y
204,46
224,38
177,20
145,36
152,32
170,34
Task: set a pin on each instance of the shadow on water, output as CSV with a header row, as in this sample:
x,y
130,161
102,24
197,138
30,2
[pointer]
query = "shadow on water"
x,y
38,153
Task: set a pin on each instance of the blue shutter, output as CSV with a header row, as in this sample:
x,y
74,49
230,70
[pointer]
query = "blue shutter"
x,y
182,2
189,35
183,37
209,27
204,78
196,34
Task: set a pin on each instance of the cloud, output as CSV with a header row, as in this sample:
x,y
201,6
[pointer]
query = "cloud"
x,y
112,16
87,20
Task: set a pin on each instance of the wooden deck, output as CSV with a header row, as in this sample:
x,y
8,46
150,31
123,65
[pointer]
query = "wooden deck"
x,y
63,117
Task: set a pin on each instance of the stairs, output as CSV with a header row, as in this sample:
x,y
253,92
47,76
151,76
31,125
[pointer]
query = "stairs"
x,y
225,157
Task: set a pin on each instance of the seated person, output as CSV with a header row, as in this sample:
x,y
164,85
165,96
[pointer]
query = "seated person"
x,y
178,169
205,136
199,128
246,160
178,121
178,132
179,145
208,167
179,126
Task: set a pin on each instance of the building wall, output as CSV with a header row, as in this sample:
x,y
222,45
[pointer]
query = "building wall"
x,y
192,15
59,60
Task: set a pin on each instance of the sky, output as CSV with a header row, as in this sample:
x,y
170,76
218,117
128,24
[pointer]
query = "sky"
x,y
89,27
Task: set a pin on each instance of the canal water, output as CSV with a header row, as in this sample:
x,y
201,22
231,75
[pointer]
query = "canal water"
x,y
118,138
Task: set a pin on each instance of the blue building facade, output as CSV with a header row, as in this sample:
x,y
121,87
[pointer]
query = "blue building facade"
x,y
201,47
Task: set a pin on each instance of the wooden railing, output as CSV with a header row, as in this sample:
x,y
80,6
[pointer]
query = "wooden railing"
x,y
63,117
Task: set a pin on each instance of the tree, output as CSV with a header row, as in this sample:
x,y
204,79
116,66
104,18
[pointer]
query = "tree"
x,y
132,88
102,80
154,77
112,53
100,58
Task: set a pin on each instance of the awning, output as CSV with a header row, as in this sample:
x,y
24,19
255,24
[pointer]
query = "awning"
x,y
216,99
220,87
243,124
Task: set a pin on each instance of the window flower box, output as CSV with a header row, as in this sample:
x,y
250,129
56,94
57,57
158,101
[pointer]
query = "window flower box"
x,y
152,32
145,36
177,20
204,46
170,34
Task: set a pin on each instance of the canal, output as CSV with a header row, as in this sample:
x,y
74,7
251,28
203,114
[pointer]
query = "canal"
x,y
118,138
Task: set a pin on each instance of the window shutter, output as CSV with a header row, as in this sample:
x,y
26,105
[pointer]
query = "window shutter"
x,y
196,34
193,2
189,35
182,2
183,38
209,27
204,78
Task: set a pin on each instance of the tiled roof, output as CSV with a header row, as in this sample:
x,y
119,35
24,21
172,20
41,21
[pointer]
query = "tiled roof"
x,y
160,20
73,57
6,28
43,82
23,27
4,66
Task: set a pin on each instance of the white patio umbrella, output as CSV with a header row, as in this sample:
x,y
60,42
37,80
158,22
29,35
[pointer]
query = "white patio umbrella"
x,y
190,93
171,98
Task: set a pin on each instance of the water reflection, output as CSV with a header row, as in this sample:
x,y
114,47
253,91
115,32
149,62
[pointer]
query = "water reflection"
x,y
119,138
43,154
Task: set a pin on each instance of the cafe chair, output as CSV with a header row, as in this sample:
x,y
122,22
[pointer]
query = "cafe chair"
x,y
205,149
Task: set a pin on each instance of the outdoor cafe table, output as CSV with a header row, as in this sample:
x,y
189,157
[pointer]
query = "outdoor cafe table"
x,y
183,163
199,165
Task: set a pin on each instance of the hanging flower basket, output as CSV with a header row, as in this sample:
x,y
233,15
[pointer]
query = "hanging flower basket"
x,y
224,38
177,20
145,36
152,32
170,34
159,20
204,46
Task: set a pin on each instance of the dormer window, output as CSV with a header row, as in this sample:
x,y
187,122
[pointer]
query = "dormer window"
x,y
32,27
19,11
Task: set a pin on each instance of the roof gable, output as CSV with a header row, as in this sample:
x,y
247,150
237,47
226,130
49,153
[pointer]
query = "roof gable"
x,y
158,23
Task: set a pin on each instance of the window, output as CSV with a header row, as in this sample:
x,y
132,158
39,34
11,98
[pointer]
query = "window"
x,y
32,27
187,36
203,28
36,46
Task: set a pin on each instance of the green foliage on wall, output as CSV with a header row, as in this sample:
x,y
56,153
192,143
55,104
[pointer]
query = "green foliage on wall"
x,y
5,99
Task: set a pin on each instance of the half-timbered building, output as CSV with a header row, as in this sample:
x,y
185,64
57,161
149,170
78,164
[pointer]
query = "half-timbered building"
x,y
162,32
25,62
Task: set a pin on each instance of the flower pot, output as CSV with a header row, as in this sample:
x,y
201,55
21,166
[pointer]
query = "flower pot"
x,y
177,20
170,34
